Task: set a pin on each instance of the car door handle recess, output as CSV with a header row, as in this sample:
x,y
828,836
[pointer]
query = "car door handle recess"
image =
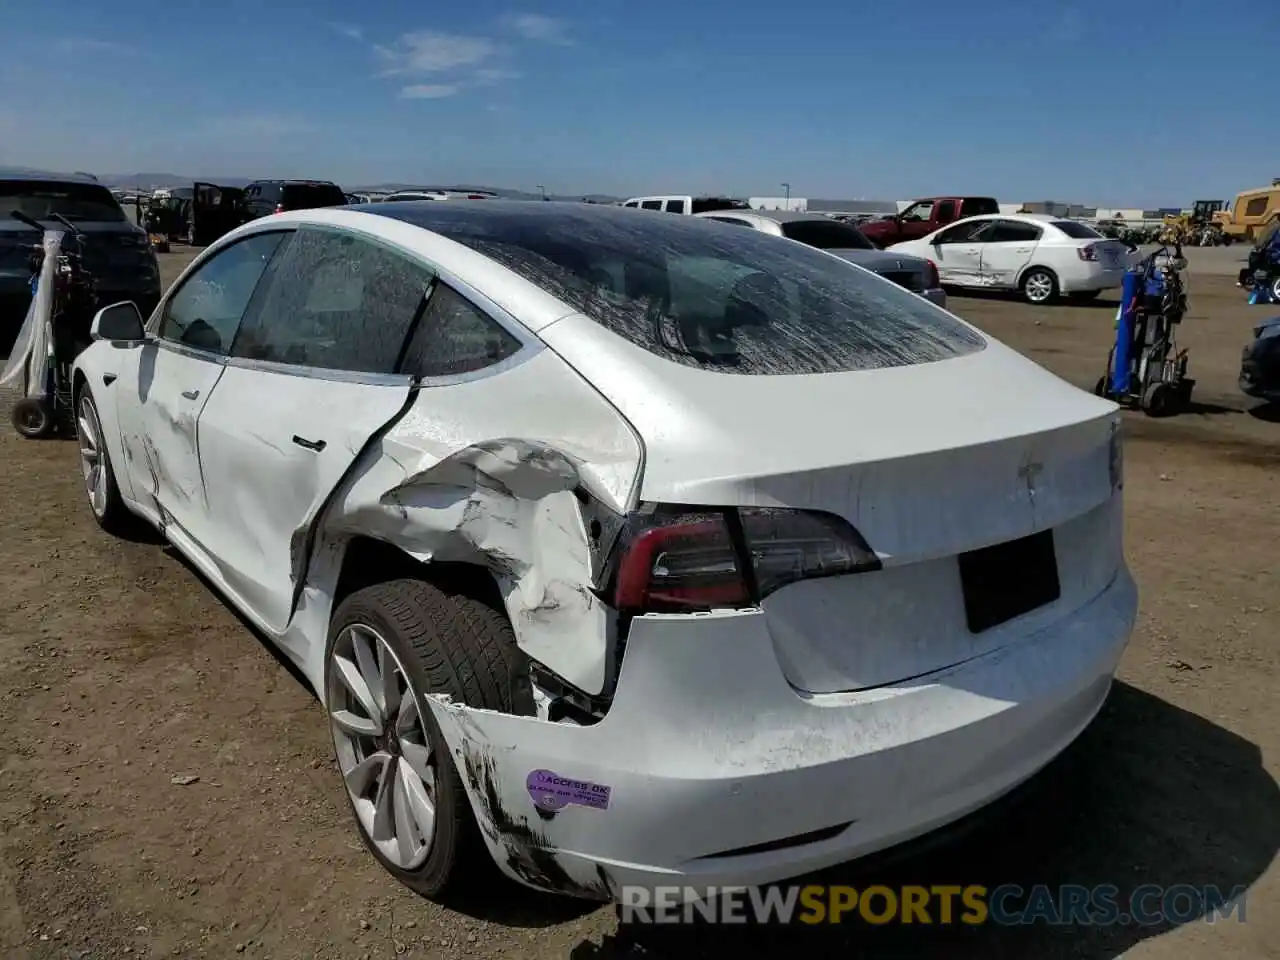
x,y
191,394
316,445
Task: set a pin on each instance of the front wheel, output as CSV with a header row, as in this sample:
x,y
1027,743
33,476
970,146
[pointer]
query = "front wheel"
x,y
1274,288
389,647
99,476
33,418
1039,286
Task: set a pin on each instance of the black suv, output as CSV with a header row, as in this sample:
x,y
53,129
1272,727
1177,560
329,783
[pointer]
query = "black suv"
x,y
116,252
265,197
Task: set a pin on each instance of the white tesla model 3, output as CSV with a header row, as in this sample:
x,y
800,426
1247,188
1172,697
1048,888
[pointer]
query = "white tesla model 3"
x,y
638,550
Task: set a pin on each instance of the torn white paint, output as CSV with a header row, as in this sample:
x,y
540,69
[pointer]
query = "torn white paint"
x,y
33,347
440,487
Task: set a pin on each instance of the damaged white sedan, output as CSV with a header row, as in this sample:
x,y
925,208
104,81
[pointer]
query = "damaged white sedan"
x,y
638,550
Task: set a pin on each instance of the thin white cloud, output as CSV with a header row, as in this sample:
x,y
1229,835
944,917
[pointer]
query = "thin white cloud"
x,y
91,45
487,76
535,26
428,91
347,30
426,52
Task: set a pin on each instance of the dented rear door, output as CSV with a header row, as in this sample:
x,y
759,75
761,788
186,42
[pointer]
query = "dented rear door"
x,y
309,384
274,443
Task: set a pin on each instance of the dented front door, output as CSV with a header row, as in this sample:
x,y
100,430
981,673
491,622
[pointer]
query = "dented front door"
x,y
159,435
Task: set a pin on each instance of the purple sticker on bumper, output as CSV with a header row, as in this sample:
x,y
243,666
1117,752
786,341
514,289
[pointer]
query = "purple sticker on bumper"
x,y
552,792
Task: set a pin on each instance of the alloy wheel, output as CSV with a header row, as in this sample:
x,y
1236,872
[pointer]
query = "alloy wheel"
x,y
384,753
93,462
1039,287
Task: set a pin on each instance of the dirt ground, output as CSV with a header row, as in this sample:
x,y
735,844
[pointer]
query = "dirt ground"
x,y
124,677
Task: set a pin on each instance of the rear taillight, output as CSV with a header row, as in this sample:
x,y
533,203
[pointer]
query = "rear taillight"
x,y
674,560
1087,252
932,280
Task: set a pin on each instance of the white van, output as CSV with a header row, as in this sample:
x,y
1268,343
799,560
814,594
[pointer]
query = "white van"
x,y
687,204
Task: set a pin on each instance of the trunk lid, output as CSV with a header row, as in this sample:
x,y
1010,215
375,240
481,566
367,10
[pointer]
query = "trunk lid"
x,y
928,462
905,271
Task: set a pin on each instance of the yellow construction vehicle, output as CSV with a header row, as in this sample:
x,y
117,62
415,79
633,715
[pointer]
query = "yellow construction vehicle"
x,y
1253,212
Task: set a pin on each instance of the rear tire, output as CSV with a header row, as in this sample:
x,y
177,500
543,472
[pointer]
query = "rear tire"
x,y
1157,400
445,643
1039,286
33,418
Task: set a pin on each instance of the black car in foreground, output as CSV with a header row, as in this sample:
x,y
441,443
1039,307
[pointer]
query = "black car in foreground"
x,y
1260,366
116,253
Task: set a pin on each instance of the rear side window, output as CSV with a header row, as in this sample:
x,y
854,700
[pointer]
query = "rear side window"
x,y
675,206
826,234
308,196
652,205
41,199
1011,231
455,337
946,211
335,302
980,206
736,301
1076,230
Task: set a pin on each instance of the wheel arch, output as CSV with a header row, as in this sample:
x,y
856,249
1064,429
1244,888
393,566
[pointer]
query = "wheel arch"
x,y
368,561
1034,265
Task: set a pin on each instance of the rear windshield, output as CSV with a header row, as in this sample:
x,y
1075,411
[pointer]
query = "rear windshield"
x,y
307,196
1077,230
41,199
707,204
826,234
690,291
980,206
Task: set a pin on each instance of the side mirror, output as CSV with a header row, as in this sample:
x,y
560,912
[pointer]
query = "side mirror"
x,y
120,323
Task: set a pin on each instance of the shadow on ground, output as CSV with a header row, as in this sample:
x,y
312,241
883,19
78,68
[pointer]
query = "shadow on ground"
x,y
1127,805
518,906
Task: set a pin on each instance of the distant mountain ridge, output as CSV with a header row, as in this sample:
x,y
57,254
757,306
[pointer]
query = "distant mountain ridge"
x,y
167,181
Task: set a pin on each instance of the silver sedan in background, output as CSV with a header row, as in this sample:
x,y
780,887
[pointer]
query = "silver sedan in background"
x,y
844,240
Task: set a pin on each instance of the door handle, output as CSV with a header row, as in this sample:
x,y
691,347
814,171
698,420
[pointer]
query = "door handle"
x,y
316,445
191,394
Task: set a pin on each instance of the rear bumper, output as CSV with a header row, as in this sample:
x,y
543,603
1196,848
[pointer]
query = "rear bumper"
x,y
719,773
1260,373
1086,280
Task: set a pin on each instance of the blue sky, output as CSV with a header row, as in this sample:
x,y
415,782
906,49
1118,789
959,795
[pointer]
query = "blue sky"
x,y
1092,101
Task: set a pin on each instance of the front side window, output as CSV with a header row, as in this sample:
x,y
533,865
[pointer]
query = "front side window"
x,y
920,211
206,310
973,231
454,337
1256,207
337,302
736,301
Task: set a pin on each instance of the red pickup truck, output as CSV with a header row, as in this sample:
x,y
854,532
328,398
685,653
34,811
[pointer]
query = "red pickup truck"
x,y
922,217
